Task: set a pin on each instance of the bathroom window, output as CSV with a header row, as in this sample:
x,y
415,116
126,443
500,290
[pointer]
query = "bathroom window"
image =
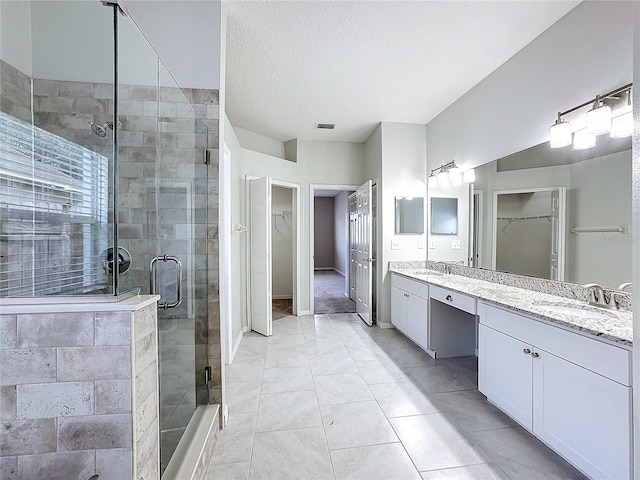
x,y
53,212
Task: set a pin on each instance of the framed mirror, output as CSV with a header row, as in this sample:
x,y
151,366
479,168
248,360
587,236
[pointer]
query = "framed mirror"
x,y
444,216
409,215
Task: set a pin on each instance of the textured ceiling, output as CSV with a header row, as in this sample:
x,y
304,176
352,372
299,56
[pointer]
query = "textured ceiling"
x,y
291,65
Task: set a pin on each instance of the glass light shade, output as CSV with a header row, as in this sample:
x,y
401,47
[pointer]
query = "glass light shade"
x,y
560,134
443,180
599,120
455,177
432,182
622,125
583,140
469,176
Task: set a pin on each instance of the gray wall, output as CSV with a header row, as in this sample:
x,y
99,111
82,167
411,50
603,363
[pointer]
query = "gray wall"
x,y
324,233
282,242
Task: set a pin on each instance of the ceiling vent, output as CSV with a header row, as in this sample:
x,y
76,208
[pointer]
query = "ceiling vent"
x,y
325,126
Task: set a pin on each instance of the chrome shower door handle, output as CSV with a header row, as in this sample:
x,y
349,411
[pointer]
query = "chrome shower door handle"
x,y
153,286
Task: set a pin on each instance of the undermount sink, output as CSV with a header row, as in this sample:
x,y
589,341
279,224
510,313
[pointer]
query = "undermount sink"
x,y
575,311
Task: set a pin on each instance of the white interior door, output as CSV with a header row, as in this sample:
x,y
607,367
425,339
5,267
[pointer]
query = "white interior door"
x,y
260,255
364,258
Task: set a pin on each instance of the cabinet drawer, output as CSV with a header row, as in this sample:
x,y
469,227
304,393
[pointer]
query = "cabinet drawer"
x,y
455,299
409,285
600,357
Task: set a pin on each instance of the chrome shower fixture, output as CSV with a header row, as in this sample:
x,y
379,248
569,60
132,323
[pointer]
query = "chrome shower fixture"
x,y
101,130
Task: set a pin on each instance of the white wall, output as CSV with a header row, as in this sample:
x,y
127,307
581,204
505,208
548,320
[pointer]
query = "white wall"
x,y
282,242
341,232
324,247
328,163
512,108
193,55
403,173
15,34
259,143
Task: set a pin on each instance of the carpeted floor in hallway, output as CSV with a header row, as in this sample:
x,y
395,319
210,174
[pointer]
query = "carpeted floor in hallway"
x,y
329,293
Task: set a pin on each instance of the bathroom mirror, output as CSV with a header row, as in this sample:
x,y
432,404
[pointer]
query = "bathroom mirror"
x,y
597,212
409,215
444,216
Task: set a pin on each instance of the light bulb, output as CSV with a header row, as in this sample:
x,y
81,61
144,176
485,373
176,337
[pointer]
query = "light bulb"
x,y
583,140
469,176
443,179
560,134
622,125
599,119
455,177
432,182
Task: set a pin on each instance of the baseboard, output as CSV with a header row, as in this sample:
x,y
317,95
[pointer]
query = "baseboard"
x,y
281,297
328,269
385,325
194,451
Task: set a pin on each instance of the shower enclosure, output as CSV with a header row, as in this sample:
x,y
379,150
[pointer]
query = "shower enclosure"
x,y
104,191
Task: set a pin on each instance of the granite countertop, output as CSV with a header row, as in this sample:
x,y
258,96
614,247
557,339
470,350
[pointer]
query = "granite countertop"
x,y
617,328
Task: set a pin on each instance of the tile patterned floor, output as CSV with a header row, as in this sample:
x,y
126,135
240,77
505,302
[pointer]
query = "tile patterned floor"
x,y
328,397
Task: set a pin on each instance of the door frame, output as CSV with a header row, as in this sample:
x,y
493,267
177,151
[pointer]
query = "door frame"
x,y
562,223
297,243
312,221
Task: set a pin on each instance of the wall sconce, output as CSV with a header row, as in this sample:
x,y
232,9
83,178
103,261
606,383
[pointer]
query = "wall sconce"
x,y
450,175
610,113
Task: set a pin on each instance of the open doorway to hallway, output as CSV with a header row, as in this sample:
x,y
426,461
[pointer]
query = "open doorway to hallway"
x,y
331,256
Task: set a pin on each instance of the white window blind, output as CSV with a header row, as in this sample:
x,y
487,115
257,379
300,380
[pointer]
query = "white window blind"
x,y
53,213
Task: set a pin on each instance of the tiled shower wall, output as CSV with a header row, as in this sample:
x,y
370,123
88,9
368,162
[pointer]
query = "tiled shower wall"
x,y
78,395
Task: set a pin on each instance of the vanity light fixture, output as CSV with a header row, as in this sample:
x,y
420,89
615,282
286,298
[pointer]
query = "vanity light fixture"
x,y
604,117
582,140
449,175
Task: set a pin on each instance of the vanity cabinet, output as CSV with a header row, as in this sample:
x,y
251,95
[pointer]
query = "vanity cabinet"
x,y
571,391
410,307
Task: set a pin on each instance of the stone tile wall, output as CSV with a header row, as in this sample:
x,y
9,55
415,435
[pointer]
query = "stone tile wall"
x,y
15,92
73,398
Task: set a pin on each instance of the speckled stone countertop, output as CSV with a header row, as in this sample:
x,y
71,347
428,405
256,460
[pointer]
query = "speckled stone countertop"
x,y
617,327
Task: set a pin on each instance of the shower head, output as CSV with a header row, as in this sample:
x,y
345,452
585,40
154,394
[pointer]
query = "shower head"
x,y
99,130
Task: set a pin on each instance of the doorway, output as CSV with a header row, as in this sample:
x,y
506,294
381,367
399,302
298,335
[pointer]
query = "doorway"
x,y
330,255
273,257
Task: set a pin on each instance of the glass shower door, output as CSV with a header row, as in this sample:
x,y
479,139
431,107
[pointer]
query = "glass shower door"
x,y
162,223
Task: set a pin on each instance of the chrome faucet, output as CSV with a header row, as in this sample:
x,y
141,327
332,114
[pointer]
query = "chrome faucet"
x,y
598,298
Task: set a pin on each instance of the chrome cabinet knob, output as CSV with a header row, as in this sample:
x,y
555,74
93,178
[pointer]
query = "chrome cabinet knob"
x,y
535,355
526,351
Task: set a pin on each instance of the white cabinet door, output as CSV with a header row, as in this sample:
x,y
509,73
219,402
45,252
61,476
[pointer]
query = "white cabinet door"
x,y
504,373
399,308
417,315
583,416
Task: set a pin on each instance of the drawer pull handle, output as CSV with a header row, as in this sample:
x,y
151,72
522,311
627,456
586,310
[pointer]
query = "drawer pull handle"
x,y
526,351
535,355
449,298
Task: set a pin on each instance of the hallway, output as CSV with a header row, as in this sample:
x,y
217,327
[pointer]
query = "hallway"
x,y
327,397
329,293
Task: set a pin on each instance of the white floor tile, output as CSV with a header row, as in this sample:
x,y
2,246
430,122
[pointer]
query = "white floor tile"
x,y
433,442
484,471
332,363
243,397
228,471
379,462
355,425
235,442
291,454
343,388
283,411
287,379
403,399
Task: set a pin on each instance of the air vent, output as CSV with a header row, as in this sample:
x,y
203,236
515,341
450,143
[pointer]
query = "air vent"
x,y
326,126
